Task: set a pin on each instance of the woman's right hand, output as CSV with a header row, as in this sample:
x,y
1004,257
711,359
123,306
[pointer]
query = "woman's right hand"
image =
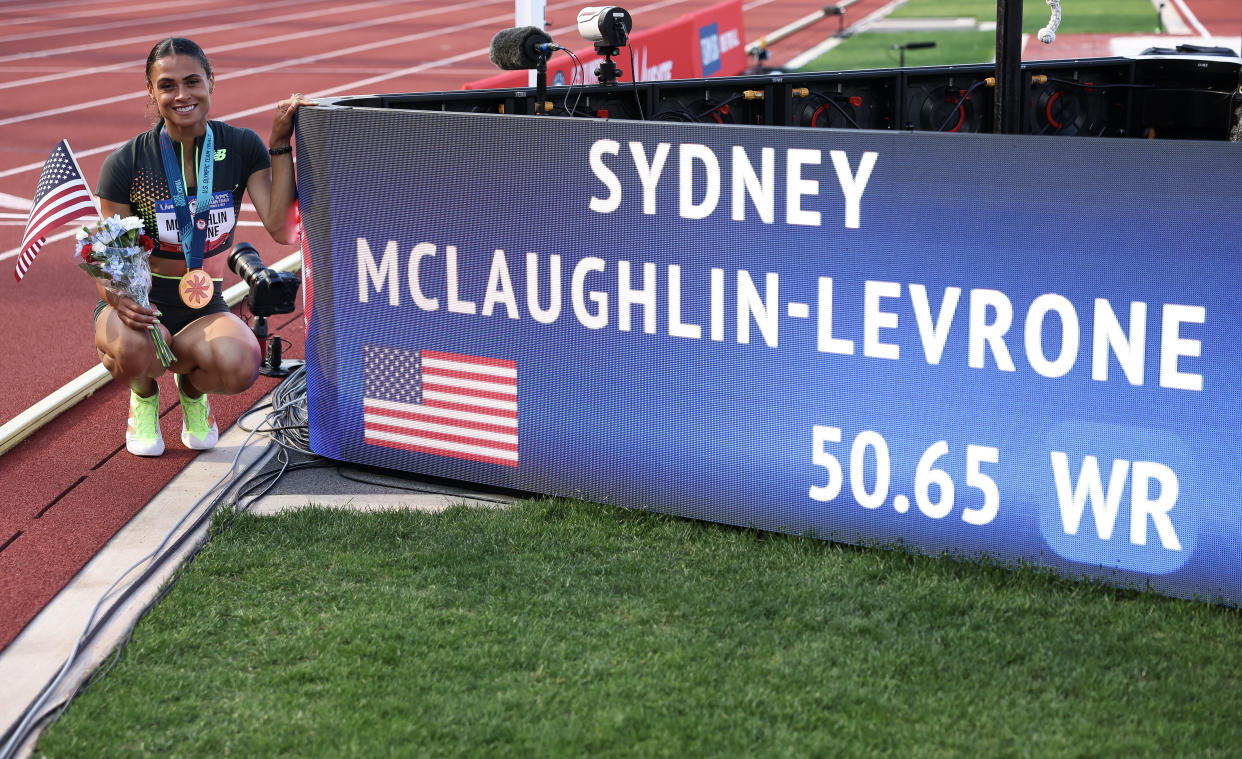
x,y
132,315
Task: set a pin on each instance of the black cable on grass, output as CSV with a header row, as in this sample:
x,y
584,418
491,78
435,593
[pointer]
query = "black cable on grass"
x,y
289,403
356,476
18,734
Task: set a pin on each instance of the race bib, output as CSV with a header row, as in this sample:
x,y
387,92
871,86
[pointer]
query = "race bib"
x,y
220,222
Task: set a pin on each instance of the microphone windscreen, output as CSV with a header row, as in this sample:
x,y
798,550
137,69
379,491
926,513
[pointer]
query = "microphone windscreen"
x,y
514,48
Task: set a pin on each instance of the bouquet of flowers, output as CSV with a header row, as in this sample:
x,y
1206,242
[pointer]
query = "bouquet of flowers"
x,y
117,252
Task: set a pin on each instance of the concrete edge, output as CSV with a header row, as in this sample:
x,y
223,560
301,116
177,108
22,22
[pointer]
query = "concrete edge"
x,y
430,502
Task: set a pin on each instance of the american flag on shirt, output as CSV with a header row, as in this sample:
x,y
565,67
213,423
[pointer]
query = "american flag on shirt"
x,y
446,404
61,197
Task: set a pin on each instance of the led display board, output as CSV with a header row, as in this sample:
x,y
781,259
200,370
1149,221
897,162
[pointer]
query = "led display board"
x,y
1017,348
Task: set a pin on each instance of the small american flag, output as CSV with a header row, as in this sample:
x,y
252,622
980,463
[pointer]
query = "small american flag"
x,y
61,197
446,404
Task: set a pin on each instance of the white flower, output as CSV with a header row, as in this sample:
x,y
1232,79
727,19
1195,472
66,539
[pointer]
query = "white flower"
x,y
131,222
83,233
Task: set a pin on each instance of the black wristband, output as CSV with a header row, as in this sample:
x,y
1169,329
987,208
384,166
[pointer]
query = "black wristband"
x,y
280,151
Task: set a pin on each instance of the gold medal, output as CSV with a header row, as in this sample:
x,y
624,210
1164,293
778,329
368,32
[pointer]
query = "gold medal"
x,y
196,288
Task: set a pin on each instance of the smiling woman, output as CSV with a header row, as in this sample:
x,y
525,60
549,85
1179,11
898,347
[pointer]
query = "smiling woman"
x,y
185,179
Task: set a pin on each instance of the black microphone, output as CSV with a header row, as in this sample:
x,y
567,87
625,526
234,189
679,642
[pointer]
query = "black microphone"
x,y
521,47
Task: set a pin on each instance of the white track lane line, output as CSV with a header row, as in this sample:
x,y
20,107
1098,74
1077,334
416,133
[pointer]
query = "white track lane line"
x,y
247,44
136,94
13,201
106,9
248,24
265,69
85,13
1191,19
342,88
99,27
807,56
54,238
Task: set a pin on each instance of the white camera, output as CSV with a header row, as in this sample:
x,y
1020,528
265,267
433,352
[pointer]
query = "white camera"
x,y
605,24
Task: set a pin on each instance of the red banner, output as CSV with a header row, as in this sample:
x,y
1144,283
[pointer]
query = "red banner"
x,y
704,43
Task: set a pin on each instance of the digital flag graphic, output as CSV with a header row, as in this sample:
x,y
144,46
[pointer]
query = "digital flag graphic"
x,y
444,404
61,196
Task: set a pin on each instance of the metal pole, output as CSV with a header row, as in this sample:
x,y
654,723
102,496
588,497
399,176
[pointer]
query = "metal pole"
x,y
1008,111
530,13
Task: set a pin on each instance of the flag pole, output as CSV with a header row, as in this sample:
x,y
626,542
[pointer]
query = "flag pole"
x,y
94,199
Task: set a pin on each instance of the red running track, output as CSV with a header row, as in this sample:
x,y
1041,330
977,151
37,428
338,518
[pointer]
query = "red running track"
x,y
1222,18
75,70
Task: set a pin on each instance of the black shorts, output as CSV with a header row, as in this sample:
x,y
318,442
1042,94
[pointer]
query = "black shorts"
x,y
166,299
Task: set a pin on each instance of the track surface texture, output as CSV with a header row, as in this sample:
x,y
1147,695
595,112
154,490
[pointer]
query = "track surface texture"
x,y
74,69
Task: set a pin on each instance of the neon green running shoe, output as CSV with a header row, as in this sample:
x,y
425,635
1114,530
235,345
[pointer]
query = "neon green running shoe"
x,y
142,434
198,424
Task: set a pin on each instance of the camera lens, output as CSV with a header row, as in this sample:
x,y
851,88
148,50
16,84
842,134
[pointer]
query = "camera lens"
x,y
271,291
245,262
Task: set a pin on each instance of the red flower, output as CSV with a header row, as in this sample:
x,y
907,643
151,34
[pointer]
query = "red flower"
x,y
86,251
146,242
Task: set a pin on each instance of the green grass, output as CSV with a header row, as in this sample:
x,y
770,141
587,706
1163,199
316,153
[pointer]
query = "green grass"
x,y
1078,17
874,50
558,629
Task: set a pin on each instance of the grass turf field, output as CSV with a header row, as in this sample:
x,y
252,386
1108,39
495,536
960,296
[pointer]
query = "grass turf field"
x,y
875,50
565,629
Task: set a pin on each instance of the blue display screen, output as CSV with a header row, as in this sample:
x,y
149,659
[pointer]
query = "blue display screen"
x,y
1019,348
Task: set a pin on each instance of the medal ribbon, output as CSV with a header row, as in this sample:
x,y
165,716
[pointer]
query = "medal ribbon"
x,y
193,239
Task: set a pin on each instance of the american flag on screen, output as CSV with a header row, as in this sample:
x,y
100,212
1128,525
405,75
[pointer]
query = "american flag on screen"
x,y
61,197
445,404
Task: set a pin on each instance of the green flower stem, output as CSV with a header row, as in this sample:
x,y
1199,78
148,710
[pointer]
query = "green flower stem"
x,y
162,351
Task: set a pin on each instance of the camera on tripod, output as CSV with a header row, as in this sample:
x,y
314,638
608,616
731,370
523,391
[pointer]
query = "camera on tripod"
x,y
271,292
608,26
